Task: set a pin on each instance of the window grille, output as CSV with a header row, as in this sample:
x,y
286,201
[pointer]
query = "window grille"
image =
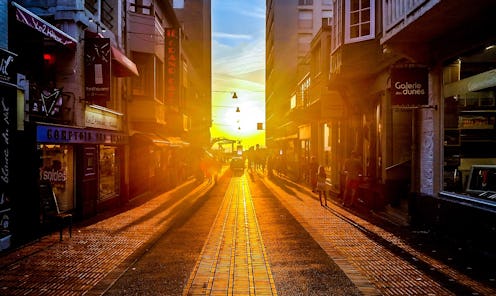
x,y
305,2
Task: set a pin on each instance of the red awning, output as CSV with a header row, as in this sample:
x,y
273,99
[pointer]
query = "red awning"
x,y
32,20
124,66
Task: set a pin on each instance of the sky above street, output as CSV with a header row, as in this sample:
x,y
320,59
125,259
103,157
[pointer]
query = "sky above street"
x,y
238,65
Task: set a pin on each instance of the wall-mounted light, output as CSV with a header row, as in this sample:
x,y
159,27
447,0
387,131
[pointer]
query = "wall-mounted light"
x,y
99,27
235,96
237,109
490,47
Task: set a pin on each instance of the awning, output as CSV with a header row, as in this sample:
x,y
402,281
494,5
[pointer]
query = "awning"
x,y
124,66
474,83
288,137
150,138
177,142
32,20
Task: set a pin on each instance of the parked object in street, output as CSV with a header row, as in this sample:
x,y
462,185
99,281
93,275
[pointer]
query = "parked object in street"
x,y
237,164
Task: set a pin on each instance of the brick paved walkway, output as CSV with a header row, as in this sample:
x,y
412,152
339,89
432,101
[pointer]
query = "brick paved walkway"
x,y
233,260
75,266
84,265
347,245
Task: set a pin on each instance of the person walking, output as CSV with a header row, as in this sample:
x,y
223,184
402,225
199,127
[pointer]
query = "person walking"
x,y
313,167
353,171
321,185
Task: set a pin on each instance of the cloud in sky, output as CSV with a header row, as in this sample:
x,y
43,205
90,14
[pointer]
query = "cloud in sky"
x,y
238,45
238,60
238,64
219,35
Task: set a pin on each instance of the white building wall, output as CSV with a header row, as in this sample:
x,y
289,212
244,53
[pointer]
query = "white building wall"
x,y
431,143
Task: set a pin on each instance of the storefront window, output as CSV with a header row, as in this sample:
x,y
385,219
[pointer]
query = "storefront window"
x,y
57,164
109,173
469,127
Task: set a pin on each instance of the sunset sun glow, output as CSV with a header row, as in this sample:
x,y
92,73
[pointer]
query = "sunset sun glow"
x,y
238,65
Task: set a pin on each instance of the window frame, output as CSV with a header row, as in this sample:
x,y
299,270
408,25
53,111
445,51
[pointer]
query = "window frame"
x,y
305,19
337,21
305,2
347,24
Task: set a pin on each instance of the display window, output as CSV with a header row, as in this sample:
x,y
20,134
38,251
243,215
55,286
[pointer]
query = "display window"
x,y
109,173
57,167
469,126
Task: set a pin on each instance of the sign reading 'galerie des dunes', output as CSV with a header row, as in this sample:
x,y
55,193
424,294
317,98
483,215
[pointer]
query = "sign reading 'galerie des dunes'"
x,y
409,85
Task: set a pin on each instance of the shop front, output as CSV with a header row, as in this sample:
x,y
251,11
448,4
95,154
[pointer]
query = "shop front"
x,y
464,206
468,195
83,166
149,165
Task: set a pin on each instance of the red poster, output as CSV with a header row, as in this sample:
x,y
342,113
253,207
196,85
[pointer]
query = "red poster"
x,y
172,62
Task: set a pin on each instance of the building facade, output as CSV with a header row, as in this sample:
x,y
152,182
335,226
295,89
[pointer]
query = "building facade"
x,y
414,93
170,102
194,17
290,28
90,88
454,153
319,111
68,126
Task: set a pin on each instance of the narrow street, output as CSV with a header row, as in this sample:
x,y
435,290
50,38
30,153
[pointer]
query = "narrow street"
x,y
253,247
234,257
244,235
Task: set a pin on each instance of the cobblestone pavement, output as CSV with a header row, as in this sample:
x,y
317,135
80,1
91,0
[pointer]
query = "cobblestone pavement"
x,y
75,266
233,260
344,237
84,264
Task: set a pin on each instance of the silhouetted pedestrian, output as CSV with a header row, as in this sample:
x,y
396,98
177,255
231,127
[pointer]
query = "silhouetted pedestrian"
x,y
313,168
353,171
321,185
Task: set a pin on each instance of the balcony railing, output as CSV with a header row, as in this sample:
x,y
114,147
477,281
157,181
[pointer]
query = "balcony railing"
x,y
107,14
106,11
142,9
91,5
402,12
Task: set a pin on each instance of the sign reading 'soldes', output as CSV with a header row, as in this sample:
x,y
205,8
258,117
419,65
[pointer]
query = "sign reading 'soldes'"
x,y
97,70
172,64
409,86
7,71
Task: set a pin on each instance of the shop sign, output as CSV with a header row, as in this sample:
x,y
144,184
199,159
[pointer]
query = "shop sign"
x,y
68,135
172,62
97,55
409,85
305,132
7,128
101,119
46,103
57,176
32,20
7,71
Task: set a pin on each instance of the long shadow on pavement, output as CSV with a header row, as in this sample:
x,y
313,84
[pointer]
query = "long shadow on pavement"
x,y
289,187
174,196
